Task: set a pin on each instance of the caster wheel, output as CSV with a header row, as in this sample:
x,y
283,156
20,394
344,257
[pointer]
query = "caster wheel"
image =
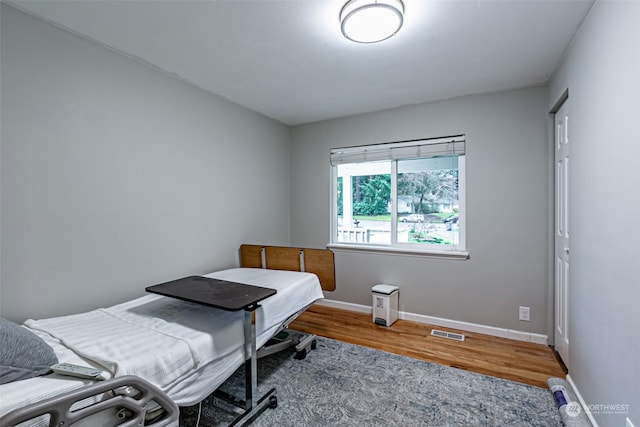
x,y
314,344
273,402
300,354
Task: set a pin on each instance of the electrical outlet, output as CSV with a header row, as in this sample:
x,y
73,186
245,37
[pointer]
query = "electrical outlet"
x,y
525,313
629,423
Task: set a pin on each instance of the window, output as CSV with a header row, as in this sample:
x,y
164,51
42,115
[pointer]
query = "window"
x,y
406,196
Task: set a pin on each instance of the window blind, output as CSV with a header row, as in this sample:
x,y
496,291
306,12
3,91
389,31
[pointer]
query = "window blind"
x,y
434,147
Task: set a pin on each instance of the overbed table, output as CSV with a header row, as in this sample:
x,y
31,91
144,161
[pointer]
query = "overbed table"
x,y
229,296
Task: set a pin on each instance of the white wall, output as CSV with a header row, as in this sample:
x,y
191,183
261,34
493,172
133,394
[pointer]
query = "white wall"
x,y
602,73
116,176
507,199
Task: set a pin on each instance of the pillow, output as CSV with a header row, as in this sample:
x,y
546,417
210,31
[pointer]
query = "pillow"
x,y
22,353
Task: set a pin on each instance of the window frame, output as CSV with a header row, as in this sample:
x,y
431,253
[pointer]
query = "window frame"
x,y
401,248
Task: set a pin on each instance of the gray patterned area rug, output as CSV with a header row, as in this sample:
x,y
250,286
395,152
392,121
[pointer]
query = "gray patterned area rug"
x,y
340,384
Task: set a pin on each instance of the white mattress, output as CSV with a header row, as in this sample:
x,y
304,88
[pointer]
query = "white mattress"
x,y
186,349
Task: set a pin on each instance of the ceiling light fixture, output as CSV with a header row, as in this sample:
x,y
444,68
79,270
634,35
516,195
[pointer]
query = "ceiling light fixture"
x,y
371,21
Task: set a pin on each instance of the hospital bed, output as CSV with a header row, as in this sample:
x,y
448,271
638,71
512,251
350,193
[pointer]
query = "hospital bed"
x,y
168,352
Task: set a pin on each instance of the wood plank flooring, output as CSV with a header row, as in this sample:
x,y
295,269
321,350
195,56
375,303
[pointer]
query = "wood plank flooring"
x,y
499,357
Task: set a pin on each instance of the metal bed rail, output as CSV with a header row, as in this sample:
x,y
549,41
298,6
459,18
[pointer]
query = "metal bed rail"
x,y
134,402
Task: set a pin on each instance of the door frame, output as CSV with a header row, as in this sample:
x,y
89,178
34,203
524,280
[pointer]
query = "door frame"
x,y
552,225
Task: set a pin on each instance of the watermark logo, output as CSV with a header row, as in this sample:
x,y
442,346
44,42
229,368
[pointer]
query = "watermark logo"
x,y
609,408
573,409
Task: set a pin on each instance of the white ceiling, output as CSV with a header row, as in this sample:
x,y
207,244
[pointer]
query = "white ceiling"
x,y
288,60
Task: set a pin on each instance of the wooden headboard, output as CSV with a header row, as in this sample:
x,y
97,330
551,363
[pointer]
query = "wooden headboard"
x,y
317,261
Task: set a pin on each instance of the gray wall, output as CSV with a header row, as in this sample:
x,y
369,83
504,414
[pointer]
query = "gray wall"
x,y
116,176
507,200
602,73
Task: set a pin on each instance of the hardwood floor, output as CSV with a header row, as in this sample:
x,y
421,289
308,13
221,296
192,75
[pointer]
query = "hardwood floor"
x,y
499,357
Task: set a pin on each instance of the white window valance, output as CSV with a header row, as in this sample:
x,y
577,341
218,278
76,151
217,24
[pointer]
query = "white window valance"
x,y
432,147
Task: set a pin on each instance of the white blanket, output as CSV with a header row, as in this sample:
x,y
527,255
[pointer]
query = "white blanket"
x,y
122,346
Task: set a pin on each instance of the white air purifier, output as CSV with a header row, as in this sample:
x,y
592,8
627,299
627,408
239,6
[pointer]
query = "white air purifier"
x,y
385,304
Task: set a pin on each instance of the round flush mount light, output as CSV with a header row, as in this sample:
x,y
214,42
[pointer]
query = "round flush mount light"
x,y
371,21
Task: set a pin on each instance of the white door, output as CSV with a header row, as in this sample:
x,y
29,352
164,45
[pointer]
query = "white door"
x,y
561,257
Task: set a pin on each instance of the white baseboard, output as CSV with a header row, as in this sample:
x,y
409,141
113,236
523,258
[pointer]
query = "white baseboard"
x,y
344,305
584,405
447,323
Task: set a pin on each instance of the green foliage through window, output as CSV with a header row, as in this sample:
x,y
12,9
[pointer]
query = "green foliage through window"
x,y
371,194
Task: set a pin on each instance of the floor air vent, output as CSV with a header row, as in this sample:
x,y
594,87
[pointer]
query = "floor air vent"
x,y
449,335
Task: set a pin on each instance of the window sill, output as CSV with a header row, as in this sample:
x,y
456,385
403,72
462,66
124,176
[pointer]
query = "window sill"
x,y
456,255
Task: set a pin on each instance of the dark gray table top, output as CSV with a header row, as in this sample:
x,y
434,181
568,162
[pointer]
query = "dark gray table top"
x,y
230,296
